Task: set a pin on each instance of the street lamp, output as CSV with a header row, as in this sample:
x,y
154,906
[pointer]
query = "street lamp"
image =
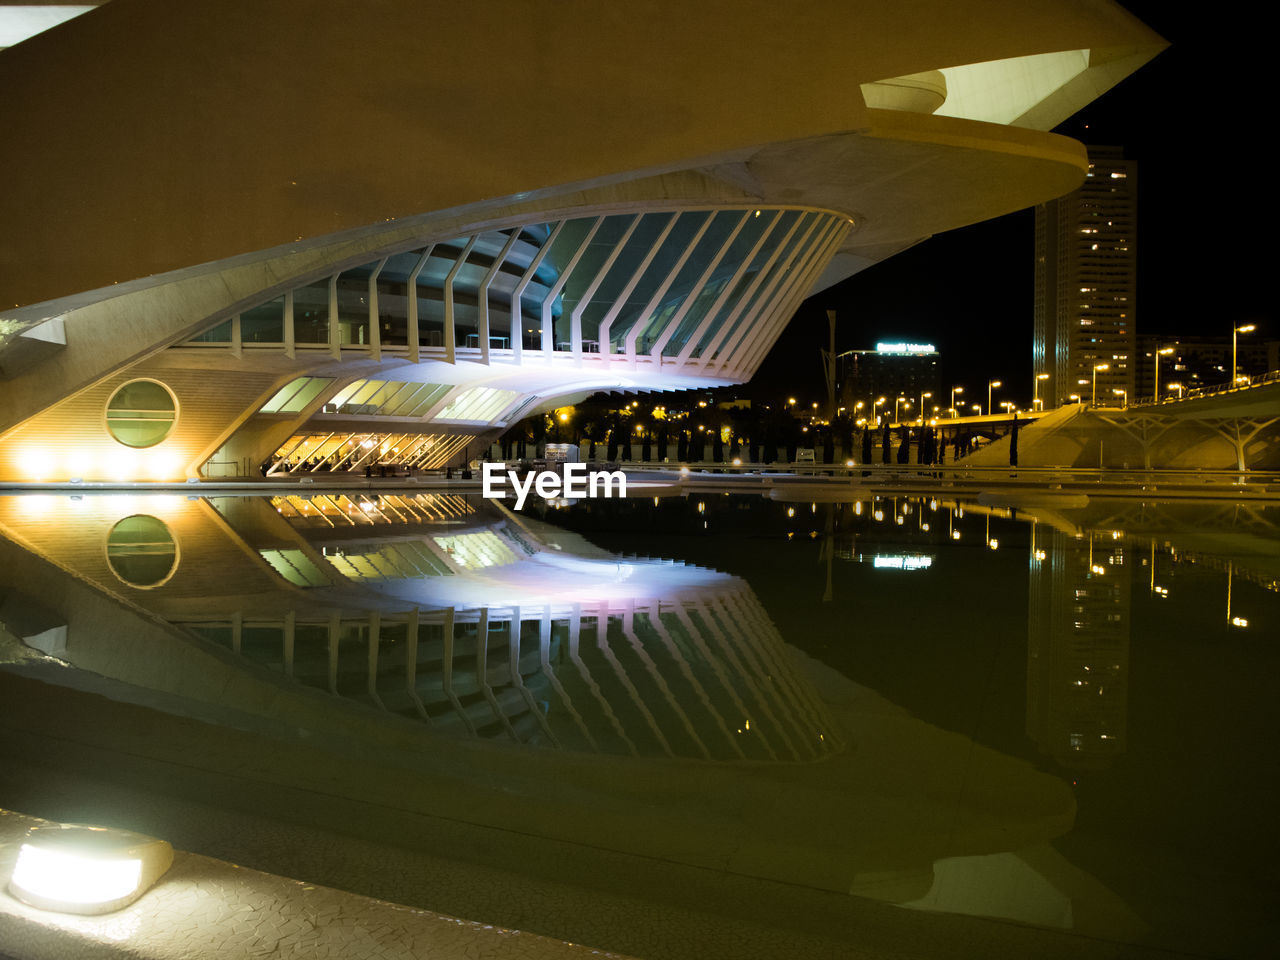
x,y
990,384
875,413
927,393
900,400
1160,353
1175,386
1093,397
1247,328
1008,405
954,391
1036,402
1122,394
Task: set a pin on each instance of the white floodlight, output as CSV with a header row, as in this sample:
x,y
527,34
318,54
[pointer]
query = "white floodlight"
x,y
73,868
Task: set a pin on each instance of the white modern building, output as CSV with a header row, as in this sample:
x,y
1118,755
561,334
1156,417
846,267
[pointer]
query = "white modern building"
x,y
311,237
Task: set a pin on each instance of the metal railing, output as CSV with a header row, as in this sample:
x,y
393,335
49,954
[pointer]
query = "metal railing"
x,y
1242,383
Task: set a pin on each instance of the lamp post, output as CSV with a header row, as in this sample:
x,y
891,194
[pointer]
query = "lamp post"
x,y
900,400
954,391
1235,332
1175,386
1093,396
874,412
1122,394
1159,353
1036,402
990,384
1008,405
927,393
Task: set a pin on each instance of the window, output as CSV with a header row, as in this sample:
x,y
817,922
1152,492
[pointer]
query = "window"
x,y
141,413
141,551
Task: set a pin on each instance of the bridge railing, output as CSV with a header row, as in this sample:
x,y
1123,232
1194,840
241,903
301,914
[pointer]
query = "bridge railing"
x,y
1243,383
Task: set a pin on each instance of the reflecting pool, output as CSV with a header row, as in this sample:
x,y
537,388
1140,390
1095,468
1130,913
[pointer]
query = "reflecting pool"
x,y
1054,712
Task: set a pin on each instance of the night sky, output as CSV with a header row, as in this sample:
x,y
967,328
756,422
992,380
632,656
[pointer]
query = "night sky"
x,y
1194,119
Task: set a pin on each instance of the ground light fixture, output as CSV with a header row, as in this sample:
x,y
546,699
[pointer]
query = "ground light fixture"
x,y
74,868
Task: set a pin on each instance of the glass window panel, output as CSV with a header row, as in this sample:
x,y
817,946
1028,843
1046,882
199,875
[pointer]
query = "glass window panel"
x,y
749,293
775,282
404,405
718,230
601,247
682,234
354,403
425,402
756,225
562,250
430,292
141,551
309,391
311,313
379,397
219,334
141,413
398,399
295,566
283,395
353,305
642,240
263,323
345,394
393,298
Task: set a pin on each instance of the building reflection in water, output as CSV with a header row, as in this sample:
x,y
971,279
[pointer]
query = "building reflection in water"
x,y
389,601
1078,646
423,630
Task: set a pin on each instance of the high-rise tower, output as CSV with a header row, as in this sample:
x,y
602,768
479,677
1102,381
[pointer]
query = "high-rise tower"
x,y
1086,284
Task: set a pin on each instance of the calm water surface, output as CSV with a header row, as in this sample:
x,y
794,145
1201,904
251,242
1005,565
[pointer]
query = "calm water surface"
x,y
1061,715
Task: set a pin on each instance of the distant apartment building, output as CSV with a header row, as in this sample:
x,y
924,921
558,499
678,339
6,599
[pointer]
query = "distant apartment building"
x,y
1199,361
1078,629
891,370
1086,284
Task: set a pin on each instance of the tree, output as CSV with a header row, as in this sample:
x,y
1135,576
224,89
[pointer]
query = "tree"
x,y
885,441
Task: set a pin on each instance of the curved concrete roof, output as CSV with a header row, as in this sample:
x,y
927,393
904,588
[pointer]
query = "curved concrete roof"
x,y
145,142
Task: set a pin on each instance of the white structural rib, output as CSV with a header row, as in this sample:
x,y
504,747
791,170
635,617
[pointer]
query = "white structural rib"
x,y
575,315
696,337
762,289
606,324
450,335
482,298
696,289
375,325
655,301
517,313
796,279
411,294
548,329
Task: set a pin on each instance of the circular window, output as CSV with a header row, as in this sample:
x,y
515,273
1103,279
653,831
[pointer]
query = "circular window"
x,y
142,551
141,413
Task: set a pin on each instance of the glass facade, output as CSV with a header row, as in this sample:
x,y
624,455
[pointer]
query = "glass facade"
x,y
675,287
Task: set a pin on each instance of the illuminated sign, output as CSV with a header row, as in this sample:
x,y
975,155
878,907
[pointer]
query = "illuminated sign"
x,y
905,348
901,562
